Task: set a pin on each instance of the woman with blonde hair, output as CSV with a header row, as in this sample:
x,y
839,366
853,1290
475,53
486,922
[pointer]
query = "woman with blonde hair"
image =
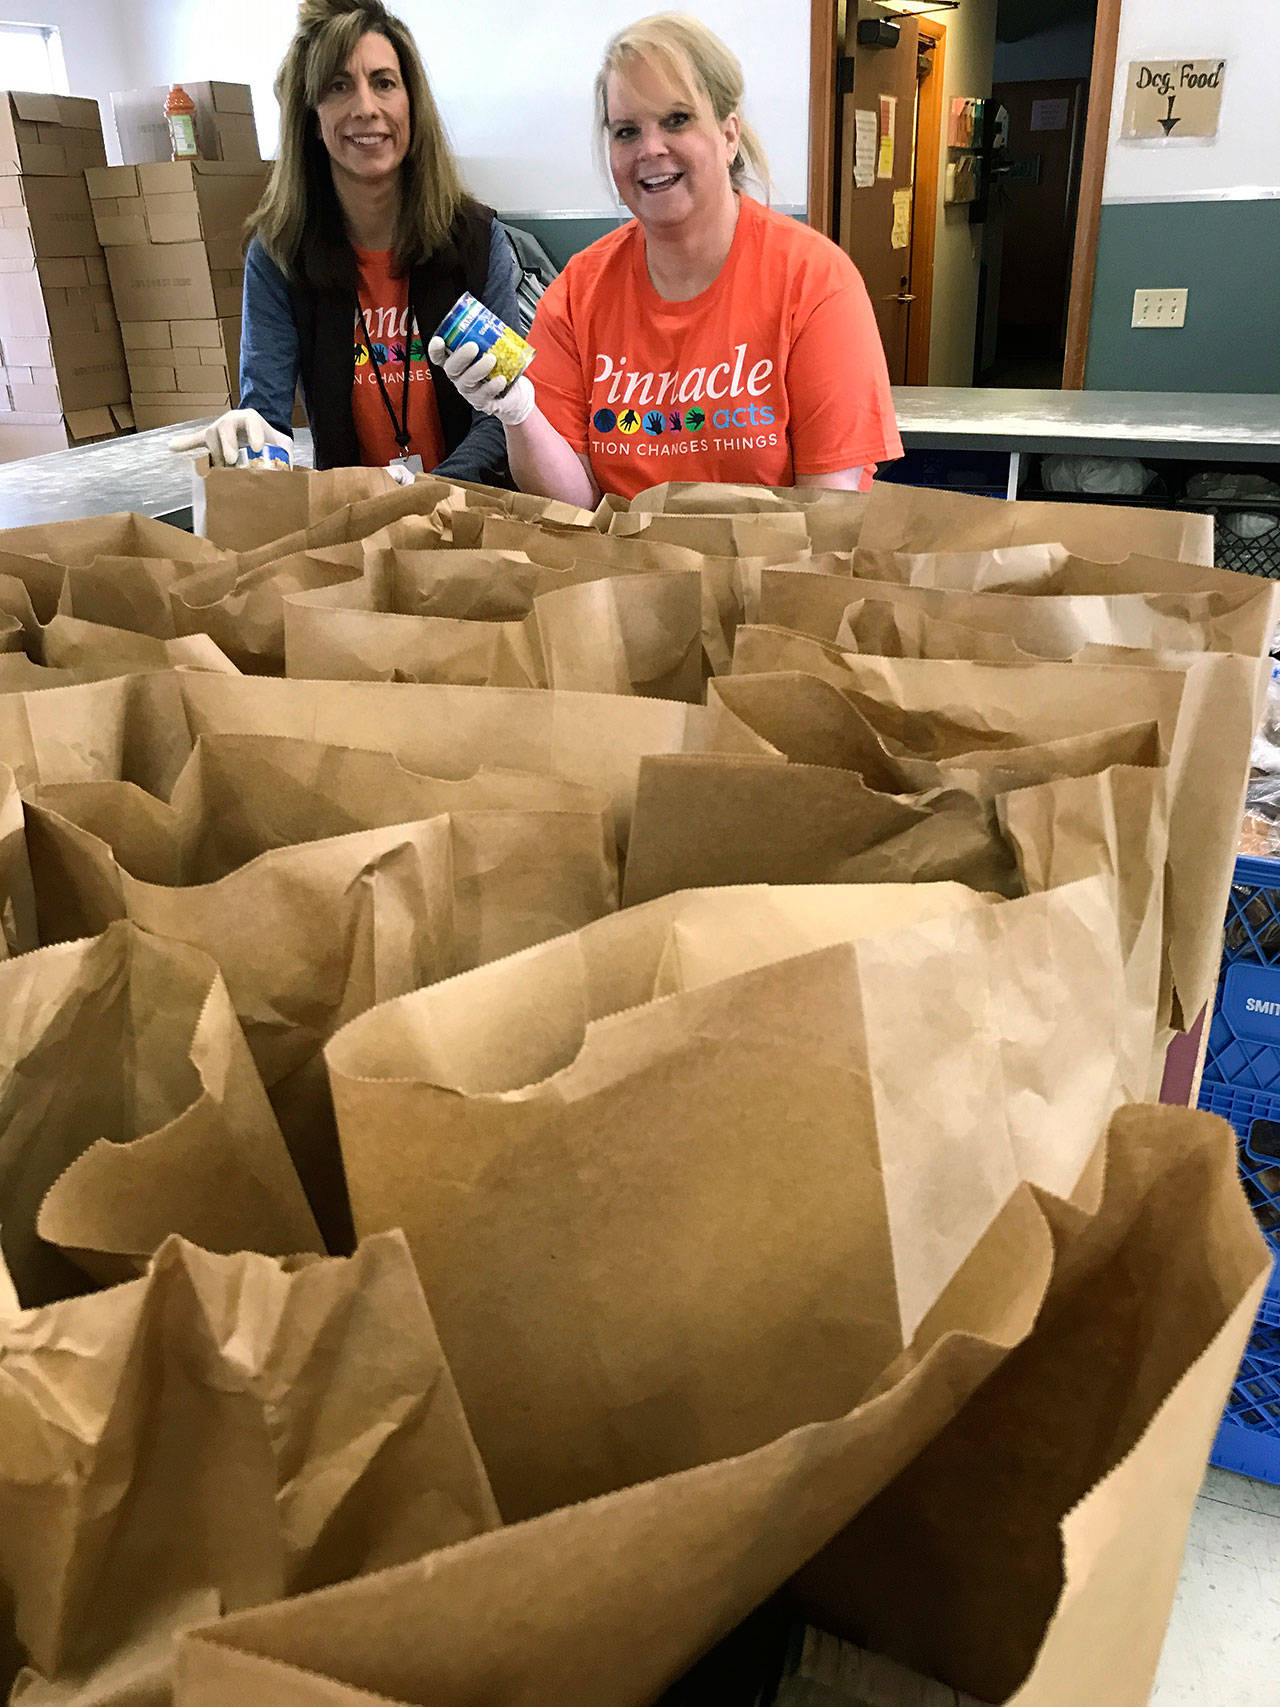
x,y
709,338
363,241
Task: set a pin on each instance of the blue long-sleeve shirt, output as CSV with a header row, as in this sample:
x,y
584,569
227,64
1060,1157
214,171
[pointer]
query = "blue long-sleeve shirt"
x,y
269,351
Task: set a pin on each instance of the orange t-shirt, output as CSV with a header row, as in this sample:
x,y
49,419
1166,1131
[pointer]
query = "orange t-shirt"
x,y
775,372
384,297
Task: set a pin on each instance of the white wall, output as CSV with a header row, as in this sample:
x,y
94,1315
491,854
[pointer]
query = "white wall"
x,y
971,36
1246,154
94,44
513,80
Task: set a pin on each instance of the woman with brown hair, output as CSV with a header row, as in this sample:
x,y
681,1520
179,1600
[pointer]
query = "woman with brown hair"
x,y
363,241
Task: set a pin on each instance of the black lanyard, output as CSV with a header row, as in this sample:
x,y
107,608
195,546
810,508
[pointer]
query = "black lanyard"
x,y
401,427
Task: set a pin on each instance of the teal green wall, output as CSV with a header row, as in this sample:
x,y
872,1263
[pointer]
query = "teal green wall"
x,y
562,237
1227,255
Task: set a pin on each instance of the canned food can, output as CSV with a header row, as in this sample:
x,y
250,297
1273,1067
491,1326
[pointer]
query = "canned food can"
x,y
270,456
470,322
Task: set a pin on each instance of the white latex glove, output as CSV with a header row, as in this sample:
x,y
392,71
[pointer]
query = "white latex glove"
x,y
400,474
221,438
470,372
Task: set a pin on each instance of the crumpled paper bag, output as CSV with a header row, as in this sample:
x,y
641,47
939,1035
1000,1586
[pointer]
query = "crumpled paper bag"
x,y
1005,1466
131,1109
697,1173
321,879
224,1431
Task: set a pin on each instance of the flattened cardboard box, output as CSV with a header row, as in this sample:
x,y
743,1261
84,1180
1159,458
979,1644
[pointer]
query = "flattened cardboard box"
x,y
22,436
49,134
225,129
174,413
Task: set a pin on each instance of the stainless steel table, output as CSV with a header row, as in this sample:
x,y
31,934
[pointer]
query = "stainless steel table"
x,y
140,473
137,472
1191,426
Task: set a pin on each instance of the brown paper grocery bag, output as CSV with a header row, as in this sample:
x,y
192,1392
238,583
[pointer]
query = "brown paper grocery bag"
x,y
833,518
342,633
495,618
1001,569
595,739
224,1431
39,554
126,727
132,593
452,512
1051,569
1113,1387
764,649
21,629
240,511
420,507
1204,706
715,1151
781,536
567,548
17,898
1060,625
899,749
162,1127
917,519
1047,626
70,644
413,880
243,610
709,819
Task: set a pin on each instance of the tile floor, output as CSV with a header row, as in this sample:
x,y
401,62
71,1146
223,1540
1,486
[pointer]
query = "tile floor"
x,y
1223,1646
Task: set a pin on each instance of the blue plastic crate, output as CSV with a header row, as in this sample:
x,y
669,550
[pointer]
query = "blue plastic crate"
x,y
1241,1079
1241,1082
1249,1438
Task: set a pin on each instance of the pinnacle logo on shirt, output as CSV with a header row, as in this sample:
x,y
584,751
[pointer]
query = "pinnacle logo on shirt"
x,y
697,408
392,334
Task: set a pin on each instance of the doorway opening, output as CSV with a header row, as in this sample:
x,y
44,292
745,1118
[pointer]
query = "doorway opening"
x,y
1023,308
1040,81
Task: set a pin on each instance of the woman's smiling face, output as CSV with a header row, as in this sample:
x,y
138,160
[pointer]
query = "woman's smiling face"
x,y
364,113
668,153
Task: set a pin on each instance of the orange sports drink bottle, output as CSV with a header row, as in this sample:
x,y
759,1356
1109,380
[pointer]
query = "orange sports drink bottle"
x,y
180,111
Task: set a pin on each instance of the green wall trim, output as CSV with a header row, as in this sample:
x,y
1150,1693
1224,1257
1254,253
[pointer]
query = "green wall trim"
x,y
561,235
1227,255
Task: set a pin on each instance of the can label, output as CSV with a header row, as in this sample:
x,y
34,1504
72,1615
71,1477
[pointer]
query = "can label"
x,y
470,322
270,456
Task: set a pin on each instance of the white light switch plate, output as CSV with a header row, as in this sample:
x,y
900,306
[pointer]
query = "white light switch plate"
x,y
1159,308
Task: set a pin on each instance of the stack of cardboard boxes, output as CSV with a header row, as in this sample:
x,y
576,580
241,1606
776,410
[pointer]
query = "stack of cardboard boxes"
x,y
173,235
62,367
225,128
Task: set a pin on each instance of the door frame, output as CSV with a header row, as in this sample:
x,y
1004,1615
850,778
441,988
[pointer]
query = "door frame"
x,y
825,17
924,203
1093,165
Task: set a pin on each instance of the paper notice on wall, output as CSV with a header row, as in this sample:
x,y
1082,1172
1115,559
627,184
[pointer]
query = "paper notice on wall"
x,y
866,132
1168,99
888,125
901,236
1050,115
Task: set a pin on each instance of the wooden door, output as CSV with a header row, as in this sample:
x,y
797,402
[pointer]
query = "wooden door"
x,y
1039,190
875,218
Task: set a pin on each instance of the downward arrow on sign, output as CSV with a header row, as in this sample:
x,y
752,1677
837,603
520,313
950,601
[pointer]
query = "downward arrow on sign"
x,y
1167,124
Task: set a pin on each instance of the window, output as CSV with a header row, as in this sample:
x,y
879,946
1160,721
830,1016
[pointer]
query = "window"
x,y
32,58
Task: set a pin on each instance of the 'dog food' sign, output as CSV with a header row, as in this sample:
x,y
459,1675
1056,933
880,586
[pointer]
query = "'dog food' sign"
x,y
1173,98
